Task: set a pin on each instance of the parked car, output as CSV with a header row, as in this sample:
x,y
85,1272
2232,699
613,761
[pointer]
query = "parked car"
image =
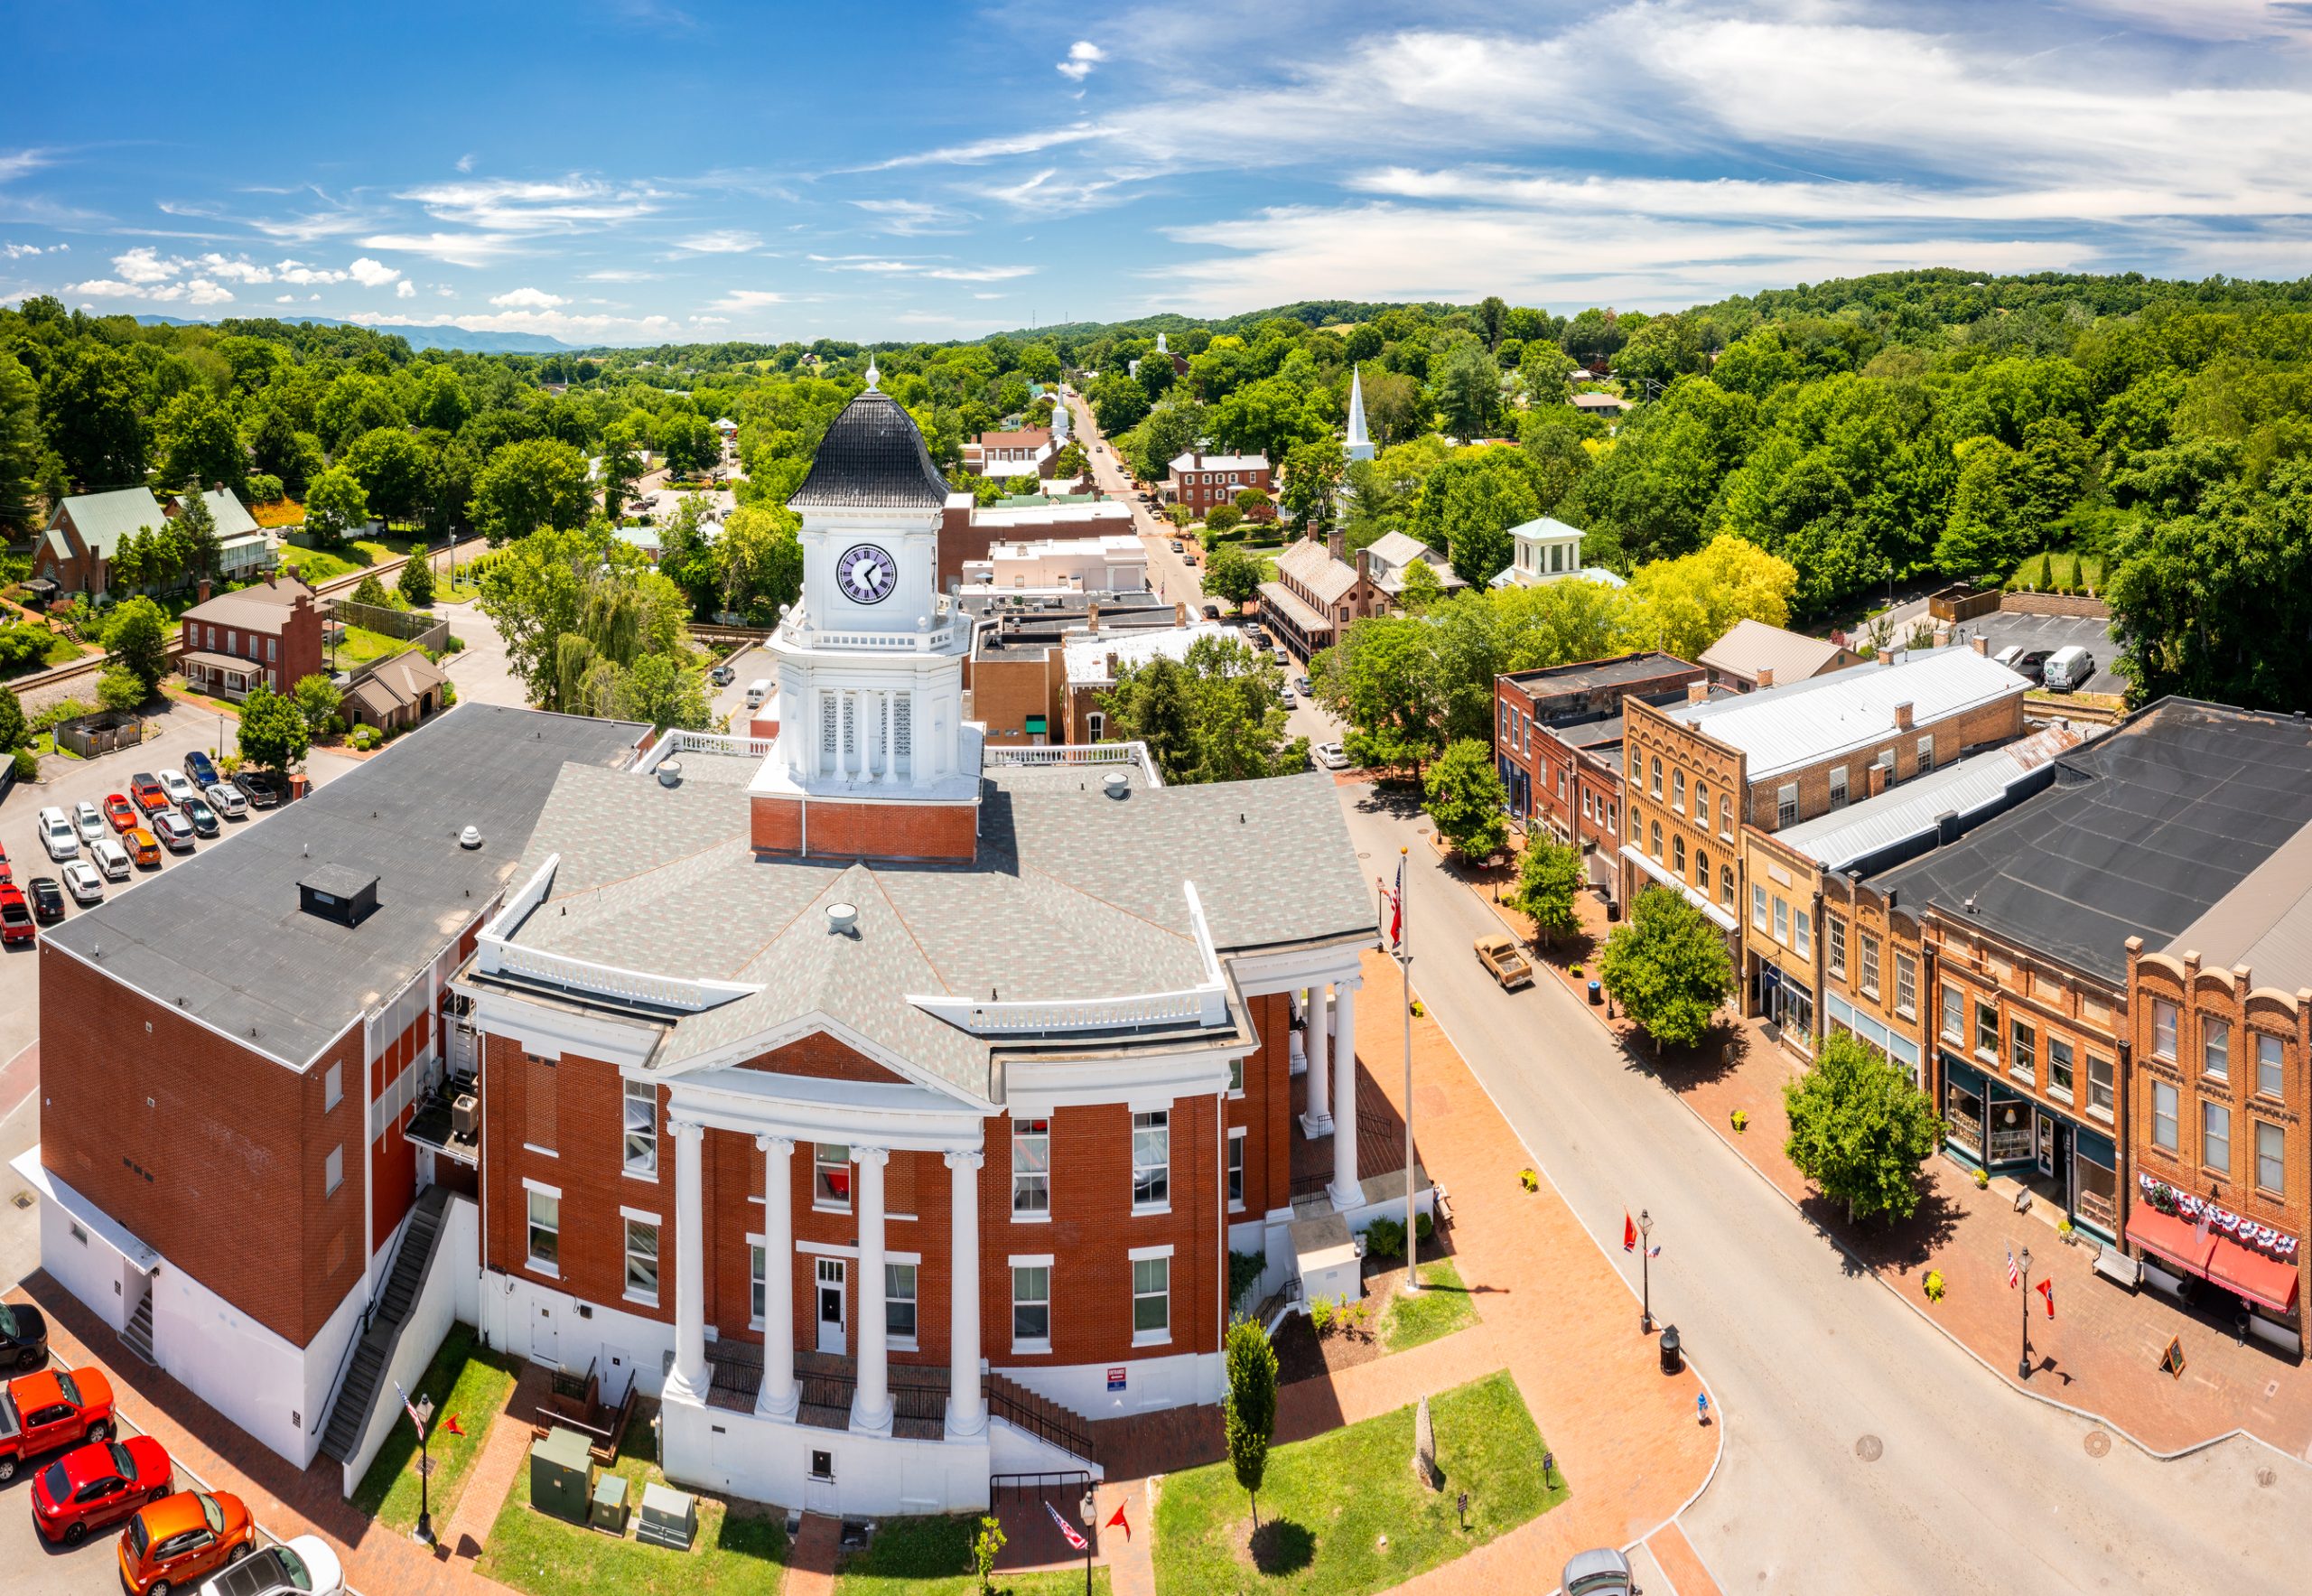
x,y
1331,756
2068,669
110,859
1602,1573
176,786
1285,695
174,832
96,1485
6,873
49,1410
1283,657
81,880
24,1337
173,1543
200,769
1503,961
16,916
722,675
1212,612
259,788
200,816
303,1564
120,812
1301,682
146,789
144,847
47,898
2028,663
57,835
1177,546
227,801
89,821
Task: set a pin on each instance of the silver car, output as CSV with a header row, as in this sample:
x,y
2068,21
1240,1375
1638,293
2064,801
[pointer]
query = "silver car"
x,y
89,821
227,801
1602,1572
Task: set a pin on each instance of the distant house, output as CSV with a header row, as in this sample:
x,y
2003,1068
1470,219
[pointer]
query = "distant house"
x,y
1754,655
267,634
1024,452
244,548
76,551
400,691
1606,405
1317,593
1392,554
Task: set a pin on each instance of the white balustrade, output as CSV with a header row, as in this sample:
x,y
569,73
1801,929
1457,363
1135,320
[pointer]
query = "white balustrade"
x,y
511,960
1196,1005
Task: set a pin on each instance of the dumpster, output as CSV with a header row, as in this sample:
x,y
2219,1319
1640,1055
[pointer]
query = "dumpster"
x,y
1673,1359
561,1475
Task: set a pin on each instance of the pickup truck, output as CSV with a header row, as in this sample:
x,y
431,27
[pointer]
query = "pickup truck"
x,y
49,1411
146,789
1502,960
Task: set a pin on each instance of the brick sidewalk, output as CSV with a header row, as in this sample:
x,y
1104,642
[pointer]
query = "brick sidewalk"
x,y
503,1451
1553,1313
2100,1354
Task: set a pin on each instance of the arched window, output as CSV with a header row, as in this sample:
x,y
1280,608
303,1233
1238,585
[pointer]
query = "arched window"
x,y
1657,783
1701,868
1725,814
1702,800
1678,790
1678,852
1656,849
1726,886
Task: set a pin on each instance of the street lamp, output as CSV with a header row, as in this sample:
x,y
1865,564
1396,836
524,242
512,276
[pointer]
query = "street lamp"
x,y
1088,1510
2023,1367
424,1471
1644,1271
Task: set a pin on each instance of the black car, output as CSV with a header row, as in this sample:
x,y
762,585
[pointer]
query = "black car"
x,y
203,818
259,788
1212,612
24,1337
47,899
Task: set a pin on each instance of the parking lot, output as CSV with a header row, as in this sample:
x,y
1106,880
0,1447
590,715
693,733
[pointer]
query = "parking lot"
x,y
2002,628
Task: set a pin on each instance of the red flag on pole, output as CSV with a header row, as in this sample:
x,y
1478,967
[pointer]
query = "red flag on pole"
x,y
450,1425
2048,1289
1116,1521
1629,1233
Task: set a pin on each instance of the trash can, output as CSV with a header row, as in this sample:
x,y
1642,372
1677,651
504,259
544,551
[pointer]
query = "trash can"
x,y
1673,1360
1597,994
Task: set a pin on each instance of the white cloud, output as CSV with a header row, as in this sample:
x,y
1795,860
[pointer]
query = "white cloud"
x,y
143,264
19,251
465,249
240,269
284,299
722,241
303,276
465,163
710,321
913,216
372,274
1082,56
991,149
554,323
749,299
884,266
509,205
404,289
618,274
201,290
101,288
528,299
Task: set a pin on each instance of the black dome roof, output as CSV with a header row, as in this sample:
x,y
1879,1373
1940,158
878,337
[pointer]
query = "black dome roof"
x,y
873,458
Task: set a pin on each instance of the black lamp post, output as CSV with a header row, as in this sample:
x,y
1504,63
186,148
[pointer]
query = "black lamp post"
x,y
2023,1367
1645,1272
424,1473
1088,1510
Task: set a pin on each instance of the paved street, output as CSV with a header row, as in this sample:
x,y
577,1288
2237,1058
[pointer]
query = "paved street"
x,y
1172,576
1969,1485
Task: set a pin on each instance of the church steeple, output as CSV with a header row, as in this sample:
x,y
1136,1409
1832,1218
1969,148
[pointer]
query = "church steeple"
x,y
1357,446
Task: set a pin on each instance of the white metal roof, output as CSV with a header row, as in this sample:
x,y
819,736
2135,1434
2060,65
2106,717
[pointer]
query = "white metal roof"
x,y
1789,726
1087,654
1912,809
1221,462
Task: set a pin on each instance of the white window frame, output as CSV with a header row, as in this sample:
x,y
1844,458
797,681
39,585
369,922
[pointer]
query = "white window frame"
x,y
1024,1182
1803,923
1905,984
1757,906
1144,1292
2166,1109
1838,786
893,1269
2215,1048
632,1223
2163,1029
1235,1169
821,1165
552,1228
1151,1176
2272,1067
1785,806
644,1095
1023,1345
2276,1159
758,1280
1782,920
2211,1114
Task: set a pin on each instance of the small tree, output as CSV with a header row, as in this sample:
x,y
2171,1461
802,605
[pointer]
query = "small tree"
x,y
274,735
1423,588
371,592
1223,517
138,637
986,1547
1249,1412
1466,800
335,504
1860,1130
319,701
416,583
12,728
1667,965
1549,887
1234,574
119,689
1252,501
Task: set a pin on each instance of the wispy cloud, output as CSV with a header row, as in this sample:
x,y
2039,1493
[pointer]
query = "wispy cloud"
x,y
749,299
465,249
514,205
721,241
912,216
1082,57
937,269
1002,146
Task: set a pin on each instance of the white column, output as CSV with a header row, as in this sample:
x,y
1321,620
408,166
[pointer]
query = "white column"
x,y
870,1405
776,1398
967,1412
890,736
689,1380
1346,1193
1316,1114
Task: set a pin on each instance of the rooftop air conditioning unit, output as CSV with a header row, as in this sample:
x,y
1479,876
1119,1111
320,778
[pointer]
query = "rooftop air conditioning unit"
x,y
465,1115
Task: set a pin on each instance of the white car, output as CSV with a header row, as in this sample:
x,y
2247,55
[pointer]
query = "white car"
x,y
1330,756
305,1566
227,801
57,835
89,821
111,859
83,882
178,786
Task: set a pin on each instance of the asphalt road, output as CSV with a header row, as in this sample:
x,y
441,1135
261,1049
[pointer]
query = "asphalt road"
x,y
1972,1485
1169,573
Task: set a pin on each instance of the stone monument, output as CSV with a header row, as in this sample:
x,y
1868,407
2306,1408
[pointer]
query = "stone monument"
x,y
1425,1446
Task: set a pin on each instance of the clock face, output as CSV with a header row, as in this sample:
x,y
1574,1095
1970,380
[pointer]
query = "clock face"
x,y
866,574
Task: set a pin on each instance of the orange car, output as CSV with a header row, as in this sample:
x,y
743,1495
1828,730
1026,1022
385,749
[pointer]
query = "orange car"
x,y
143,846
180,1540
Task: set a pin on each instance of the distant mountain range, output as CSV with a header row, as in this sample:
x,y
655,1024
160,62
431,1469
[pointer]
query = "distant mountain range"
x,y
472,340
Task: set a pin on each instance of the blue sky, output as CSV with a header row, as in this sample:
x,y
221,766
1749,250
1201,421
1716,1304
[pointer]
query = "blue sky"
x,y
633,171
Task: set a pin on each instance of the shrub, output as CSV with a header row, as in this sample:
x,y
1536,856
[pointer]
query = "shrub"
x,y
1424,1225
1933,1285
1245,1270
1740,1119
27,765
1982,1178
367,737
1529,1181
266,489
1384,1238
1223,517
1320,1317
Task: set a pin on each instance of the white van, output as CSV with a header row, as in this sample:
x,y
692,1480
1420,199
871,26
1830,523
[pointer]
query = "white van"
x,y
756,691
2068,669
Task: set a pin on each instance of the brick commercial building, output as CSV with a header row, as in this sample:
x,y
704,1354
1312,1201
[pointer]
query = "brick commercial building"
x,y
969,531
267,634
1697,772
1317,593
1016,680
1206,481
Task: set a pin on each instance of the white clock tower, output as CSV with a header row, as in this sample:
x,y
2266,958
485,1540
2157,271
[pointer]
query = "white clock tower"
x,y
870,665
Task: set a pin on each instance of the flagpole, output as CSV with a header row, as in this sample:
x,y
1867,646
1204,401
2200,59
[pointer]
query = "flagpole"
x,y
1404,968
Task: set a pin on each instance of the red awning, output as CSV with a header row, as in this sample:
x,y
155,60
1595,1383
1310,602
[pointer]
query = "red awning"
x,y
2178,1241
2254,1276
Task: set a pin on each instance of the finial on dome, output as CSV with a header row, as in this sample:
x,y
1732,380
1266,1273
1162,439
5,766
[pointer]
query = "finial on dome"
x,y
873,376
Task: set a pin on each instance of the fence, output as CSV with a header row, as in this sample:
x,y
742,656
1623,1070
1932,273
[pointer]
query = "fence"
x,y
1963,603
92,734
427,631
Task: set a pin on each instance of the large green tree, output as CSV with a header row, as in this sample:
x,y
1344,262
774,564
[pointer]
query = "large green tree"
x,y
1214,716
538,482
1667,967
336,505
1467,385
137,636
201,443
92,406
1464,795
392,467
274,735
1381,679
1860,1130
1233,576
21,448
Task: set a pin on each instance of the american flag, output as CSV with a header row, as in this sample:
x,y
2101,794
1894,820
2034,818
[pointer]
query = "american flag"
x,y
415,1417
1074,1539
2014,1276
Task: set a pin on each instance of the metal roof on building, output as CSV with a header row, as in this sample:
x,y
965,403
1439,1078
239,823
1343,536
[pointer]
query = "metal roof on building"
x,y
1788,726
103,519
1749,646
1965,790
871,458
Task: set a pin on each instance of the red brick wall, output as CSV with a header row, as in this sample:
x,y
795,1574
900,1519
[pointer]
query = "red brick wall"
x,y
204,1150
867,831
393,1163
1265,1110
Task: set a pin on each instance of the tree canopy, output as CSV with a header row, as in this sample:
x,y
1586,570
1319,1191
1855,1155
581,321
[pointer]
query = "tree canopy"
x,y
1214,716
1667,967
1860,1130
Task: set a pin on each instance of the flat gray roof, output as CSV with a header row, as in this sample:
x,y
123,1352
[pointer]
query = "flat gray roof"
x,y
223,935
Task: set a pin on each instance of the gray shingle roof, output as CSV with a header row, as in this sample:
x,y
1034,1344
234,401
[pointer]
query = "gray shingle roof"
x,y
1311,565
873,458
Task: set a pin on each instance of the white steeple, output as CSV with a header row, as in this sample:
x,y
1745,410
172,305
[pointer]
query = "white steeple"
x,y
1159,345
1358,447
1059,418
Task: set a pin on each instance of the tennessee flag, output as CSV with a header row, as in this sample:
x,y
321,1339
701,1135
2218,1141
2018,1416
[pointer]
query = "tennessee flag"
x,y
2048,1289
1629,1233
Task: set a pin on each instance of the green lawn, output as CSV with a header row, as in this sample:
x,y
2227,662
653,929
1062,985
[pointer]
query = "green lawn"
x,y
933,1558
735,1554
361,646
320,564
1442,1307
477,1382
1327,1502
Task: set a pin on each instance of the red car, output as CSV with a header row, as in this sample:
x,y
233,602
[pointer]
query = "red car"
x,y
49,1411
16,916
94,1486
146,789
6,873
121,813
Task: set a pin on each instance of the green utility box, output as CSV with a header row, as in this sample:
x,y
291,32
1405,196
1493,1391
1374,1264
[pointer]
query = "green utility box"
x,y
561,1475
610,1504
669,1517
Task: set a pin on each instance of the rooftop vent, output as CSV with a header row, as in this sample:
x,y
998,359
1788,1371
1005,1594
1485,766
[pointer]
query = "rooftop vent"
x,y
843,918
334,893
1116,784
670,773
471,837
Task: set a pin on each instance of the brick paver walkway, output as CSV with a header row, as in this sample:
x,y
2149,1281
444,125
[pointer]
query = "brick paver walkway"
x,y
503,1452
1679,1562
1551,1310
810,1569
2100,1354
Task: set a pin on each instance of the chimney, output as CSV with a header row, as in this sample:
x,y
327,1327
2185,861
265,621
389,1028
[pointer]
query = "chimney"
x,y
1765,677
1364,564
1093,616
1112,664
215,487
1179,612
1874,779
1902,717
1981,643
1886,655
201,591
1697,691
1337,544
272,579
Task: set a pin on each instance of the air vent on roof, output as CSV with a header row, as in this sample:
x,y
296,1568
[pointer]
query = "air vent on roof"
x,y
334,893
1117,784
670,773
471,837
843,918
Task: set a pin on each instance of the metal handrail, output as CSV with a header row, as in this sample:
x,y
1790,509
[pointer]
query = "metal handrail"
x,y
1064,1436
997,1483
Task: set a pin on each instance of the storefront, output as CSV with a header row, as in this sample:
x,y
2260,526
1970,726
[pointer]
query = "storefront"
x,y
1787,1003
2202,1252
1868,1028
